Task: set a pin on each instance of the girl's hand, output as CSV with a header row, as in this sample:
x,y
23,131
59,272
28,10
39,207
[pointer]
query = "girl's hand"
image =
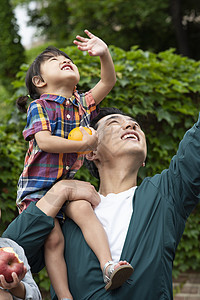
x,y
93,45
16,280
89,142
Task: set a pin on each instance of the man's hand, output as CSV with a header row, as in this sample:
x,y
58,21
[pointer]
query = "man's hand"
x,y
67,190
78,190
93,45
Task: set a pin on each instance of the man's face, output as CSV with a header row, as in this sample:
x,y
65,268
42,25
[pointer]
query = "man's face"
x,y
119,135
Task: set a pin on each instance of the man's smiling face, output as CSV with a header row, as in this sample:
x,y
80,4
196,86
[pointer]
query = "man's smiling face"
x,y
119,134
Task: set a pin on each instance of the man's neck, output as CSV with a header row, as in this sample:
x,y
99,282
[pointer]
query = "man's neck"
x,y
116,179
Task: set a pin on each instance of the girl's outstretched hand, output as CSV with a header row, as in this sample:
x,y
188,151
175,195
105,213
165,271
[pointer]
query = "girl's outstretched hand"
x,y
93,45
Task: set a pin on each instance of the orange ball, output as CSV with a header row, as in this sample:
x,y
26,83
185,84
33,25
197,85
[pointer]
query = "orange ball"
x,y
76,135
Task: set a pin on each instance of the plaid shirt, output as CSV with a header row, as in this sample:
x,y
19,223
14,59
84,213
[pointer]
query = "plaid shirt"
x,y
58,115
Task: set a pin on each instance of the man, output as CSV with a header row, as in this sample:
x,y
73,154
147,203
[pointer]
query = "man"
x,y
144,224
159,209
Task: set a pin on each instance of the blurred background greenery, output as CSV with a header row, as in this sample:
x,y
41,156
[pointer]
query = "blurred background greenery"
x,y
155,45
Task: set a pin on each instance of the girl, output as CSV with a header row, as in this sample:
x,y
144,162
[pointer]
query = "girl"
x,y
57,108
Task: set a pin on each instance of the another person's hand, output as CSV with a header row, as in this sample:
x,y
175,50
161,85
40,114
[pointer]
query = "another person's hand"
x,y
93,45
14,284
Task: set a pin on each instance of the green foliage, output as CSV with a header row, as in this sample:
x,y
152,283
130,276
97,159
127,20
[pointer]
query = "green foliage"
x,y
11,163
148,23
42,279
51,19
3,101
160,90
11,50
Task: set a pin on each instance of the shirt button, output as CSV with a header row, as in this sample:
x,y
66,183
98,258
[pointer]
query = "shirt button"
x,y
67,102
68,116
67,168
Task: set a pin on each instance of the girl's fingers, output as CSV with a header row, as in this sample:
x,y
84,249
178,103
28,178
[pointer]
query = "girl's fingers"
x,y
81,38
92,53
82,48
79,43
89,33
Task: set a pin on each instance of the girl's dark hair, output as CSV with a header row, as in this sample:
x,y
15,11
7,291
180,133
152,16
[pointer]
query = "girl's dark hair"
x,y
34,70
103,112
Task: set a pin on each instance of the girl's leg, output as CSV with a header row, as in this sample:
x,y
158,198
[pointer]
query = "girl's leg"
x,y
114,274
82,213
55,263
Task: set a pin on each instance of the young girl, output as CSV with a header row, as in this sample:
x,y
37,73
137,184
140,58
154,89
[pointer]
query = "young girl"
x,y
58,108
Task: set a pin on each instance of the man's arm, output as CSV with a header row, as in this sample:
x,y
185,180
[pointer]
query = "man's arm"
x,y
184,172
96,47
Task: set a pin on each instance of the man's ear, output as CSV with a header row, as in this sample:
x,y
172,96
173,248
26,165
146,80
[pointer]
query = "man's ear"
x,y
91,155
38,81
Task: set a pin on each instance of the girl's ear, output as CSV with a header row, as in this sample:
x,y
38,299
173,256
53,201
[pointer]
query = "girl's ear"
x,y
38,81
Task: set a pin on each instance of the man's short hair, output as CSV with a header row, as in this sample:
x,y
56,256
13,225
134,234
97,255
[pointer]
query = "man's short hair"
x,y
103,112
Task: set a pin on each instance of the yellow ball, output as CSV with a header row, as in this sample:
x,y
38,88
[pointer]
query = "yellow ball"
x,y
76,135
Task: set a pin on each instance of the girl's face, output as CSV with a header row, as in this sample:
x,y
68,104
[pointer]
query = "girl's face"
x,y
58,71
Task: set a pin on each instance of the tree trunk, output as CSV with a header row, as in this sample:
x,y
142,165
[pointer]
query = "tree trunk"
x,y
181,34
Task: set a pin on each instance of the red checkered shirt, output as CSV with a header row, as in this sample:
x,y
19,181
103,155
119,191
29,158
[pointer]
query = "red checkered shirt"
x,y
58,115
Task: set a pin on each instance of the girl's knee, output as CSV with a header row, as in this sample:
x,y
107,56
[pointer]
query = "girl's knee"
x,y
80,206
77,210
84,206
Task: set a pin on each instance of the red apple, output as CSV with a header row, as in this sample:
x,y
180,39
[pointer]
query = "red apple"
x,y
9,263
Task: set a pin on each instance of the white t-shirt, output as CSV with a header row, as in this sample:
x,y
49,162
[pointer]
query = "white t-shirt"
x,y
114,212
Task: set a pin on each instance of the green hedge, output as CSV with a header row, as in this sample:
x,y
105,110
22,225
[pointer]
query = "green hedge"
x,y
160,90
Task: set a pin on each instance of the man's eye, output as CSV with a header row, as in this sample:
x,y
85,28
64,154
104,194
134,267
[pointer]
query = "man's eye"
x,y
113,122
136,124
